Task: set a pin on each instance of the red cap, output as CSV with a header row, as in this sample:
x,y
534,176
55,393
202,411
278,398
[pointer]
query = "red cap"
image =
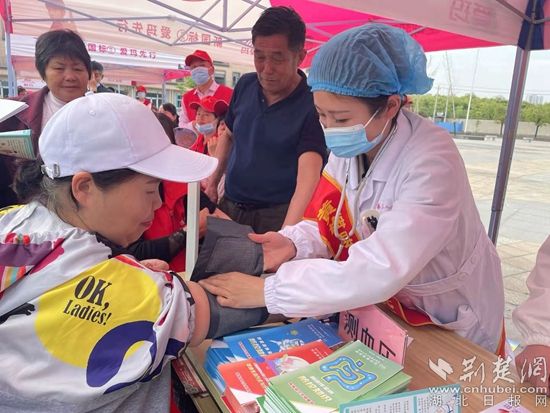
x,y
198,54
212,105
141,88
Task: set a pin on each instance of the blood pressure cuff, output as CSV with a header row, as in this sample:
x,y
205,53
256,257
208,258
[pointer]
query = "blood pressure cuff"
x,y
225,320
226,247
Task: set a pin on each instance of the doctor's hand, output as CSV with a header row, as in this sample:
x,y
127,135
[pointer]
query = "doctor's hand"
x,y
277,249
236,290
526,362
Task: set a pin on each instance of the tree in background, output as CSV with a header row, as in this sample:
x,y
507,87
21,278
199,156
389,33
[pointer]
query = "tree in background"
x,y
484,108
538,114
500,114
185,84
481,108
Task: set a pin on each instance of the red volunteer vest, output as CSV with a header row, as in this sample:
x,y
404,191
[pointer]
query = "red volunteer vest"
x,y
222,93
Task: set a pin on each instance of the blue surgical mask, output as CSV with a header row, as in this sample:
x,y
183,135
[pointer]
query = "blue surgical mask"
x,y
200,75
350,141
205,129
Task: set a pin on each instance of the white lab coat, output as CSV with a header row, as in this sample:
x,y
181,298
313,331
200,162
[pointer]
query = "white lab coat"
x,y
532,317
430,247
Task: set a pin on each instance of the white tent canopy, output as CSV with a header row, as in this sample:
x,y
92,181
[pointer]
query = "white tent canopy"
x,y
491,20
138,43
149,33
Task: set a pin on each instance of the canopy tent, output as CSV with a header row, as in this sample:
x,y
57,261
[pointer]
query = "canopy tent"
x,y
145,40
497,21
157,33
325,20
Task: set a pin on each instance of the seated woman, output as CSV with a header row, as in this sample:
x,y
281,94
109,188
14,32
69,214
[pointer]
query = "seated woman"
x,y
533,321
82,329
393,217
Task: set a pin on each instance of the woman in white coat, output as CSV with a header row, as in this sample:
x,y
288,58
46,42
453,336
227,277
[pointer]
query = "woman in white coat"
x,y
393,216
533,321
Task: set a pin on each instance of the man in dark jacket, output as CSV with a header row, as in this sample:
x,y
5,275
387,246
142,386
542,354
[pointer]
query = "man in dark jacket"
x,y
95,84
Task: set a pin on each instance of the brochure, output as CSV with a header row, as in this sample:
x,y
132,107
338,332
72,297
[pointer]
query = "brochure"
x,y
273,340
9,108
247,380
349,373
433,400
17,144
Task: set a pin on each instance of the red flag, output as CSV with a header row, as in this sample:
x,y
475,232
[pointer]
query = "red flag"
x,y
170,74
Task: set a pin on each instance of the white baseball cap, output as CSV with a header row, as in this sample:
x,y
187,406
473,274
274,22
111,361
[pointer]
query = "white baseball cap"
x,y
107,131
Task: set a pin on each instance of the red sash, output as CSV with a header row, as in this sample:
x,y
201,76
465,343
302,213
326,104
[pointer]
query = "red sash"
x,y
322,209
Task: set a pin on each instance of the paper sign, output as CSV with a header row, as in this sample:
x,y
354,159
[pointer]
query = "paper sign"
x,y
17,143
376,330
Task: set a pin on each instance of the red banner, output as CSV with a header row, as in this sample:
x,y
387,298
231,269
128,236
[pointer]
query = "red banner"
x,y
170,74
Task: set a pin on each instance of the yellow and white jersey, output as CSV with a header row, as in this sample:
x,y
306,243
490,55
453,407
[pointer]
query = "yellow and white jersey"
x,y
75,322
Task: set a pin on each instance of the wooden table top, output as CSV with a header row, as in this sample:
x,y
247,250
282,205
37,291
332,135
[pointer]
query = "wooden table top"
x,y
484,381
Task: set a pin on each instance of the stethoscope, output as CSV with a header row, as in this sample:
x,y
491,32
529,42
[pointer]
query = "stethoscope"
x,y
345,236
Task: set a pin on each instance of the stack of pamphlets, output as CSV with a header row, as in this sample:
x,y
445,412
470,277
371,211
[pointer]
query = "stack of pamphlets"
x,y
259,342
353,372
247,380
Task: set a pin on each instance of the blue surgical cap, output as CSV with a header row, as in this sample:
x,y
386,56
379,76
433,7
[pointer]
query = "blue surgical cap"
x,y
369,61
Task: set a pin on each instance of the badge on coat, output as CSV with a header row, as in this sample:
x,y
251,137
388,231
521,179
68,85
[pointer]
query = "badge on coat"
x,y
369,222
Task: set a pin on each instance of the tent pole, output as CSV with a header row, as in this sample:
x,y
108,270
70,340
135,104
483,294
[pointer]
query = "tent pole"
x,y
471,93
192,244
12,81
510,129
164,91
508,140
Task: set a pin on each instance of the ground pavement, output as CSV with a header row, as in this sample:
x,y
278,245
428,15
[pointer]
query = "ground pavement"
x,y
525,220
